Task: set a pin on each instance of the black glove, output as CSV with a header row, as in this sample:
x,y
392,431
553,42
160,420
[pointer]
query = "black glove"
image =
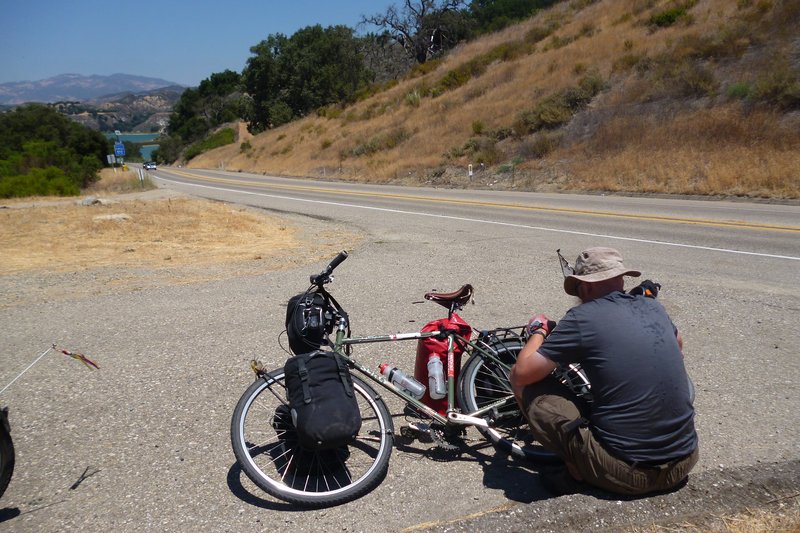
x,y
646,288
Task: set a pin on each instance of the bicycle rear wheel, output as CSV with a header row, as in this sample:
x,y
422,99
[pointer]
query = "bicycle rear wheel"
x,y
265,444
484,381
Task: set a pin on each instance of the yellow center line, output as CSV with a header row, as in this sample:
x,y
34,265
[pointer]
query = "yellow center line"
x,y
476,203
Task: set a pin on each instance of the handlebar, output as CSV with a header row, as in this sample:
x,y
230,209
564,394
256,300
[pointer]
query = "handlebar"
x,y
325,276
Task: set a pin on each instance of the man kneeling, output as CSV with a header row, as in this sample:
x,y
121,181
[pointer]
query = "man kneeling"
x,y
637,436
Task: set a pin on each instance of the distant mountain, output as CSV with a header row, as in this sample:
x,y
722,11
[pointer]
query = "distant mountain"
x,y
75,87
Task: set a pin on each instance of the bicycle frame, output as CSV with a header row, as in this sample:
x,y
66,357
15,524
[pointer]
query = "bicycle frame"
x,y
453,415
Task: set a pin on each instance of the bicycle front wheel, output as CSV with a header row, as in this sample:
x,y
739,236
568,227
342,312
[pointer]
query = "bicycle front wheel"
x,y
483,382
265,444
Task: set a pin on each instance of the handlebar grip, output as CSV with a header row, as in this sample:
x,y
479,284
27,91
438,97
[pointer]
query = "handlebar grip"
x,y
337,260
324,276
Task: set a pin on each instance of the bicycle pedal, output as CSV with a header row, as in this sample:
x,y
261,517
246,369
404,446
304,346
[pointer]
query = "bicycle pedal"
x,y
416,431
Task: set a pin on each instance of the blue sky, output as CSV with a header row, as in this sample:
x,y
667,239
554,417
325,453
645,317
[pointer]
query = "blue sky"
x,y
182,41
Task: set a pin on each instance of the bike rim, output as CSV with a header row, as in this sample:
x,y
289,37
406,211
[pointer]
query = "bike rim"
x,y
510,431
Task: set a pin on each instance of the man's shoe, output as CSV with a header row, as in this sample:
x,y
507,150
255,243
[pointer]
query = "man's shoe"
x,y
559,482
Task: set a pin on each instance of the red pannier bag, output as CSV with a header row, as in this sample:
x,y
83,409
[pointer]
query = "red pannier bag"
x,y
430,346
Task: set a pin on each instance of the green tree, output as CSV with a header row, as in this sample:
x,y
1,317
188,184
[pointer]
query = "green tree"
x,y
217,100
40,122
220,97
133,151
40,145
188,122
288,77
493,15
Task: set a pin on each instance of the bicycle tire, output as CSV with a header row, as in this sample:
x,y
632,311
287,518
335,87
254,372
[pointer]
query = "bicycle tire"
x,y
482,382
6,455
265,444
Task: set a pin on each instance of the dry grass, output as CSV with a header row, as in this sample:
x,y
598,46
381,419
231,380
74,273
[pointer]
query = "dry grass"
x,y
590,37
60,235
60,250
784,519
193,239
118,181
705,152
154,233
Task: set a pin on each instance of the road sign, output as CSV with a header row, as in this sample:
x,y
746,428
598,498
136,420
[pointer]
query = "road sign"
x,y
111,158
119,149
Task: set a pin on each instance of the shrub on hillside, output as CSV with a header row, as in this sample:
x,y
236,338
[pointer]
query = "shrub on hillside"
x,y
476,66
780,86
674,76
482,149
50,181
668,17
540,145
539,33
740,90
382,141
557,109
731,41
220,138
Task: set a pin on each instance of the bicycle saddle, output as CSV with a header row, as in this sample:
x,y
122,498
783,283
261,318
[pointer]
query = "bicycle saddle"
x,y
459,297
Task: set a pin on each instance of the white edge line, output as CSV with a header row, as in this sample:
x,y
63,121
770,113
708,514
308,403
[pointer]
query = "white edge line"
x,y
508,224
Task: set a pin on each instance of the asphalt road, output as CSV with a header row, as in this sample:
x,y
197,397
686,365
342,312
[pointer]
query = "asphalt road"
x,y
143,444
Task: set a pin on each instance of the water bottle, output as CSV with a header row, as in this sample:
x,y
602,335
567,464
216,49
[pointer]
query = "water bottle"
x,y
407,383
437,388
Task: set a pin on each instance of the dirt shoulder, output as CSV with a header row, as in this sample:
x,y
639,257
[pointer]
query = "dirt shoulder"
x,y
62,248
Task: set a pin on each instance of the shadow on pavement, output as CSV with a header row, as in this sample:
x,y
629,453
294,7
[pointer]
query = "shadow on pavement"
x,y
236,487
519,480
8,513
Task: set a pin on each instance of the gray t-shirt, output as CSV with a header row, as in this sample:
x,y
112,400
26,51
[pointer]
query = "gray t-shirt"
x,y
641,409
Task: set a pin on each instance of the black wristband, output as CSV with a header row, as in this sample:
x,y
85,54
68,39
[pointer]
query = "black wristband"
x,y
539,331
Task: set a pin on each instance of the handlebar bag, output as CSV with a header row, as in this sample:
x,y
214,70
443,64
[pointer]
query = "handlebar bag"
x,y
306,322
323,405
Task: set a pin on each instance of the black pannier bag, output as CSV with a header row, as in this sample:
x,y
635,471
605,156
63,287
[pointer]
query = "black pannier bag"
x,y
306,323
323,405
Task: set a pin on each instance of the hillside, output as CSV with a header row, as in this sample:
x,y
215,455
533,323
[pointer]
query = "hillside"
x,y
689,97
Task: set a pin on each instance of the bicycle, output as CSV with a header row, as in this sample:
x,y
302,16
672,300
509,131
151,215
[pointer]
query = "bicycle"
x,y
262,431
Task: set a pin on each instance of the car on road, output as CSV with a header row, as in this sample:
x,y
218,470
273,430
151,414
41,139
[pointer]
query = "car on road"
x,y
150,165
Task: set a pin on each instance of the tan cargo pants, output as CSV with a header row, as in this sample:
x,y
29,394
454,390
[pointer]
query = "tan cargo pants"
x,y
553,413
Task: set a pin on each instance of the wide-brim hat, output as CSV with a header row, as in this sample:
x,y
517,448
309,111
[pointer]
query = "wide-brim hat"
x,y
597,264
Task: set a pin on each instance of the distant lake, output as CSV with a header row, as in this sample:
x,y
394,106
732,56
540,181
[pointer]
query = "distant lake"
x,y
139,138
134,137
